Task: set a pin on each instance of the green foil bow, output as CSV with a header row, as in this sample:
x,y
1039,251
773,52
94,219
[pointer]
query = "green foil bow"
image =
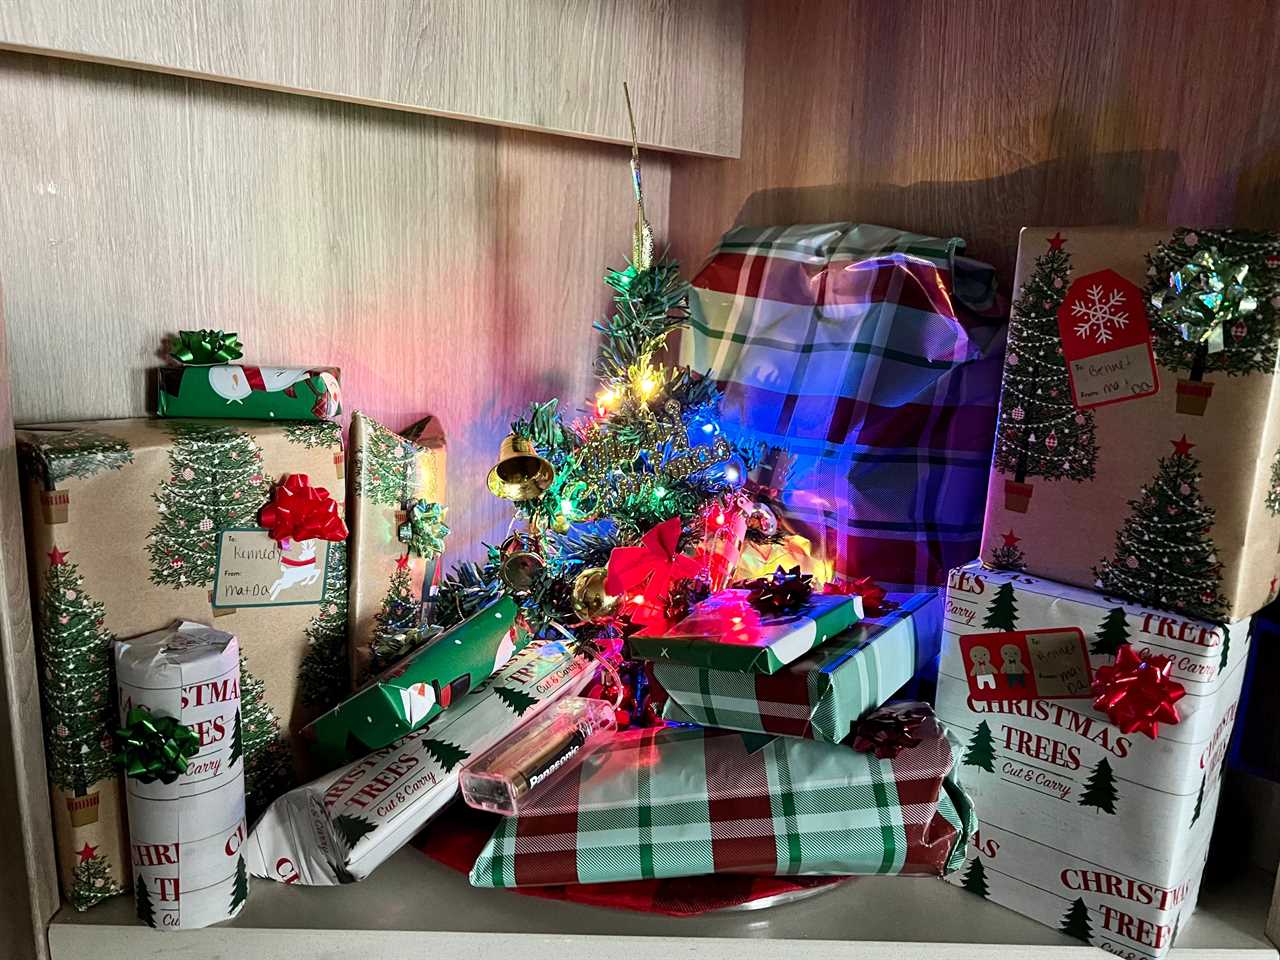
x,y
423,529
1203,297
204,348
155,747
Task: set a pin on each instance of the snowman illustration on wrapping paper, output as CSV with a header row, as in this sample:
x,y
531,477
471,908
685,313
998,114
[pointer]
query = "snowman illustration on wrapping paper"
x,y
234,383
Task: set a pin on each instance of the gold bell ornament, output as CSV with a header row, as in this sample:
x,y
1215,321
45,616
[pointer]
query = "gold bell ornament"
x,y
591,602
520,562
520,474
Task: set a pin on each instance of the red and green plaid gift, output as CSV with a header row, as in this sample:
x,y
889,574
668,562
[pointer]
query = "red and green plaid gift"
x,y
684,801
872,356
821,695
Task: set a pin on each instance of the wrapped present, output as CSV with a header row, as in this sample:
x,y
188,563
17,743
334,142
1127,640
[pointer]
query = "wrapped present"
x,y
341,827
872,356
409,694
250,393
822,694
160,519
1138,410
182,739
672,802
397,535
1096,733
727,632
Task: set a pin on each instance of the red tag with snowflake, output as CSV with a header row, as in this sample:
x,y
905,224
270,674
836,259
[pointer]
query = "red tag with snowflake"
x,y
1106,340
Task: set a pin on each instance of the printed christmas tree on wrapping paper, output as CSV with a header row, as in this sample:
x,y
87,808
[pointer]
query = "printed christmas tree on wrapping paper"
x,y
1075,922
237,740
1246,342
1164,555
268,767
216,482
1009,556
142,900
314,434
975,878
75,654
240,889
351,828
517,701
91,881
1002,614
1272,500
447,754
78,453
399,614
1041,433
1199,800
386,467
1113,633
1100,788
324,678
981,751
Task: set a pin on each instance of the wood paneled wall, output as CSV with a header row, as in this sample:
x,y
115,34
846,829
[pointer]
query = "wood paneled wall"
x,y
548,65
976,117
447,267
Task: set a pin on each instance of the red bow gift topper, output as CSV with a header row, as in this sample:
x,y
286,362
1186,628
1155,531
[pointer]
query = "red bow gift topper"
x,y
872,594
888,731
299,511
1137,693
643,573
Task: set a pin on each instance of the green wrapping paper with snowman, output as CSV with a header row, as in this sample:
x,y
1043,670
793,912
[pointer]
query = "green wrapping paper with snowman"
x,y
247,392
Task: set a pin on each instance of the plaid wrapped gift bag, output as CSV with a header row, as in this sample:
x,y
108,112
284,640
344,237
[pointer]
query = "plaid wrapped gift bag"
x,y
675,802
872,357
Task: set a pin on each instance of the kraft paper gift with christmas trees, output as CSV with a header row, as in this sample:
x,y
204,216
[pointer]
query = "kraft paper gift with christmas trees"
x,y
155,520
1140,412
1086,822
397,536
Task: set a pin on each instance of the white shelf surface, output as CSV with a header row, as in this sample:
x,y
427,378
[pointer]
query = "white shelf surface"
x,y
414,908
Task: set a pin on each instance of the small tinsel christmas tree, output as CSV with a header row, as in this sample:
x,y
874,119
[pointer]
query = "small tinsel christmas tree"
x,y
77,691
268,766
215,482
1100,788
1041,432
1002,614
325,675
1075,922
975,878
1113,633
1164,555
981,751
400,611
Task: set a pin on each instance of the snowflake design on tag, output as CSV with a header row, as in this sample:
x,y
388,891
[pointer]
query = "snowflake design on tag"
x,y
1100,314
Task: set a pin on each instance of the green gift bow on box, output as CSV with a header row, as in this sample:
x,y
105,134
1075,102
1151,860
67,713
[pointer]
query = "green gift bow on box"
x,y
155,747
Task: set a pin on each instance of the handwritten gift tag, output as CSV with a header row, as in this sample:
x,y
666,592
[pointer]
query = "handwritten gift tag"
x,y
1050,664
252,570
1106,340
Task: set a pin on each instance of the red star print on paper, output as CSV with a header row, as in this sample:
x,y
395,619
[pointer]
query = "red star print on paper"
x,y
1056,241
1182,447
1011,539
57,557
87,852
403,563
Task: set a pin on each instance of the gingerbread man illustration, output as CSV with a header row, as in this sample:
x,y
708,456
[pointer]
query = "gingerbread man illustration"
x,y
1012,666
982,670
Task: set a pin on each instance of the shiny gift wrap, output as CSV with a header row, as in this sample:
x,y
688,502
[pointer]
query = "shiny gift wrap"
x,y
673,802
821,695
179,701
248,392
339,828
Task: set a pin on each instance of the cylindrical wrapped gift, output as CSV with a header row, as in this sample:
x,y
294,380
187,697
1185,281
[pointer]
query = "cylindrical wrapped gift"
x,y
186,828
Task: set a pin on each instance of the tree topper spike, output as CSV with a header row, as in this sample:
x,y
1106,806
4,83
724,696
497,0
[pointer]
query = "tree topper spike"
x,y
642,237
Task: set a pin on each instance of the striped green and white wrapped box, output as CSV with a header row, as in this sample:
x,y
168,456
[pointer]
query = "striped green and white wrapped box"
x,y
675,802
821,695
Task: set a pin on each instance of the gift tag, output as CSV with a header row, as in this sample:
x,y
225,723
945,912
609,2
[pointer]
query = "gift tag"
x,y
1049,664
253,571
1106,340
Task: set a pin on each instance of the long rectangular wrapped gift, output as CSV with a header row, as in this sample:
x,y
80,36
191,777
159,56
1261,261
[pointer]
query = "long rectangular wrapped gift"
x,y
676,802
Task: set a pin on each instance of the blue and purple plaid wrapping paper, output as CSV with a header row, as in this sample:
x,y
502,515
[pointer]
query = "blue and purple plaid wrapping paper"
x,y
872,356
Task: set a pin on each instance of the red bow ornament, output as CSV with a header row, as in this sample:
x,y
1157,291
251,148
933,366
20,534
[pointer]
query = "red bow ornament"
x,y
1137,692
299,511
643,573
872,593
888,731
